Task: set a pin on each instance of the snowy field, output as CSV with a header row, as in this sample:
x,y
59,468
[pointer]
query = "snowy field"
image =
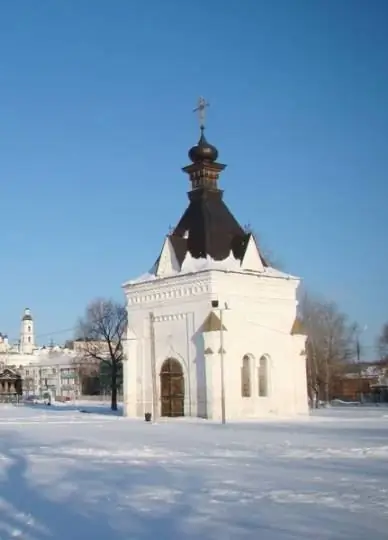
x,y
66,475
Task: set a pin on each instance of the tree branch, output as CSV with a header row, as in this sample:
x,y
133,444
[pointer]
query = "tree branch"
x,y
101,333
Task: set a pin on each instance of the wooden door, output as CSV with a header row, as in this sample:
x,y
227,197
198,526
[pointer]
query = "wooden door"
x,y
172,386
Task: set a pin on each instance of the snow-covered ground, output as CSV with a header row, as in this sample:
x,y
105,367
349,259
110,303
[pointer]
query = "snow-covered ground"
x,y
66,475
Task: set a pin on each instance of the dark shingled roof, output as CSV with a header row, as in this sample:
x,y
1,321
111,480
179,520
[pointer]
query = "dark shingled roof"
x,y
207,227
210,227
180,247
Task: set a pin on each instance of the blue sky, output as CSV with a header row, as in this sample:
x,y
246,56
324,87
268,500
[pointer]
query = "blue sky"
x,y
96,102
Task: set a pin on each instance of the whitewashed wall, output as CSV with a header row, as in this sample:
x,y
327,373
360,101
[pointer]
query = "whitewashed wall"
x,y
259,319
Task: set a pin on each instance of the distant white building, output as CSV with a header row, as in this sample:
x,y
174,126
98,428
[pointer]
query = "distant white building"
x,y
56,374
25,347
26,351
4,343
47,369
212,328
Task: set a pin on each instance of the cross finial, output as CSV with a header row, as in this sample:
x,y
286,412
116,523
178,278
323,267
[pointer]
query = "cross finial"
x,y
200,109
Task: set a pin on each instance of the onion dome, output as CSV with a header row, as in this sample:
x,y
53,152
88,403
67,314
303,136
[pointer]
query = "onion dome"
x,y
27,315
203,151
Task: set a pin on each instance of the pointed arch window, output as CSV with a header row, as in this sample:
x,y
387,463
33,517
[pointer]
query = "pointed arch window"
x,y
246,387
263,376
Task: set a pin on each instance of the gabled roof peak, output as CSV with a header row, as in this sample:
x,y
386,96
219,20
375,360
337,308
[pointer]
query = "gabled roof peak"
x,y
212,323
252,259
167,262
298,328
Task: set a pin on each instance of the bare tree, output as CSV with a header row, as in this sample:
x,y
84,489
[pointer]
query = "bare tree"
x,y
88,372
382,343
102,330
331,343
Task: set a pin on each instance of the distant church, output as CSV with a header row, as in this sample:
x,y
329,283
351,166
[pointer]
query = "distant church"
x,y
27,336
213,329
26,344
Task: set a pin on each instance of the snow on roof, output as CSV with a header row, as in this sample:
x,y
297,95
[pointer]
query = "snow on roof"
x,y
48,358
191,265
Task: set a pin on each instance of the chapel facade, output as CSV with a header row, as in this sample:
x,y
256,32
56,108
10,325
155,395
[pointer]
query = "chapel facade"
x,y
212,328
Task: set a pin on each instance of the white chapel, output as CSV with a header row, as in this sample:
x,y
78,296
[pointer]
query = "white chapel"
x,y
212,328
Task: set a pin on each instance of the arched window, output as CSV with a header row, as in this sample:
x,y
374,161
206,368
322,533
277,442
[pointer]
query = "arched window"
x,y
29,328
29,339
263,376
246,377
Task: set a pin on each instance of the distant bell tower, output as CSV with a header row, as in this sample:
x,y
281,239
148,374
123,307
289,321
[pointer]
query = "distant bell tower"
x,y
27,339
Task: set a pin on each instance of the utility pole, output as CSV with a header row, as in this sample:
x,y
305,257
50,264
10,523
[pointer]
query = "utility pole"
x,y
223,420
327,382
153,368
215,305
358,353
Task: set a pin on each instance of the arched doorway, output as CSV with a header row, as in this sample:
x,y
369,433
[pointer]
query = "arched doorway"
x,y
172,387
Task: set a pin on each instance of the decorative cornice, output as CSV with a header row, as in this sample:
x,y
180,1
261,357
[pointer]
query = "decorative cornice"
x,y
182,287
167,282
170,317
160,291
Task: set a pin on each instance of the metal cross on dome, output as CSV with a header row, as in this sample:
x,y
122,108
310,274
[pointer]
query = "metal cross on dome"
x,y
200,109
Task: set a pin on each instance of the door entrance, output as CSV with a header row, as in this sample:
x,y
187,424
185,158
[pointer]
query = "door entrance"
x,y
172,386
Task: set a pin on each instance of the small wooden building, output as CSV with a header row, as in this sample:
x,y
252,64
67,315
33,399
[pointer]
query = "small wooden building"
x,y
380,391
11,386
